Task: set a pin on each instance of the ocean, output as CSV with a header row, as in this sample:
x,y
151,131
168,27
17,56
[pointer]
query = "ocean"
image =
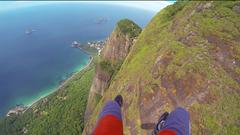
x,y
33,65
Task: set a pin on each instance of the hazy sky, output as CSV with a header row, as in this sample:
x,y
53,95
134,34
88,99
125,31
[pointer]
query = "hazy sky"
x,y
146,5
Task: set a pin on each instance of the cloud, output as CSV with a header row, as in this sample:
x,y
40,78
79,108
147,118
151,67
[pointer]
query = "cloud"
x,y
11,5
153,6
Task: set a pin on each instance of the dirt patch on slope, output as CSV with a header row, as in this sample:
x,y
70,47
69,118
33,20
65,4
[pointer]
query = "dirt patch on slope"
x,y
224,54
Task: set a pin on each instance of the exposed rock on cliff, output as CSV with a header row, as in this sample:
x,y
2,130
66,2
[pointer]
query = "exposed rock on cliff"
x,y
120,41
188,55
114,52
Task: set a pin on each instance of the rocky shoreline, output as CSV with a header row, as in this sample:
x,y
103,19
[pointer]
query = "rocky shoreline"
x,y
89,47
17,110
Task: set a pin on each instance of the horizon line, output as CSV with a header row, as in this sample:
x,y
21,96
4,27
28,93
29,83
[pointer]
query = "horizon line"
x,y
153,6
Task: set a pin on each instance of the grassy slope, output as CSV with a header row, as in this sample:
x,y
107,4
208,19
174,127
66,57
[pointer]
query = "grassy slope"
x,y
188,38
59,113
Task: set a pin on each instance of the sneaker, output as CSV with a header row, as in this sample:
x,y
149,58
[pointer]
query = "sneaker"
x,y
161,123
119,100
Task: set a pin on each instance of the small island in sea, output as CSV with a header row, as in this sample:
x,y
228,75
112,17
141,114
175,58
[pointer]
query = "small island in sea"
x,y
102,20
29,31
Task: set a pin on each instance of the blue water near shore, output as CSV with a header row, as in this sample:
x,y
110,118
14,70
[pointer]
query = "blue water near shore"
x,y
32,66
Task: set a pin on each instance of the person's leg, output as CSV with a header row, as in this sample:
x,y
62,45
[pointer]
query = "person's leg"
x,y
110,119
177,121
111,108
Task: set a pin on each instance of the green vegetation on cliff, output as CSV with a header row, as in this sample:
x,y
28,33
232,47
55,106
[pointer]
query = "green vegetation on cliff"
x,y
127,26
188,55
106,66
61,113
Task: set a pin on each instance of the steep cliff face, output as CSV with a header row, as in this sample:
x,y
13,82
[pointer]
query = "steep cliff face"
x,y
188,55
120,41
114,52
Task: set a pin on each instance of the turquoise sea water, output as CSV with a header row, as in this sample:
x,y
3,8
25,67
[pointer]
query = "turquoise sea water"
x,y
32,66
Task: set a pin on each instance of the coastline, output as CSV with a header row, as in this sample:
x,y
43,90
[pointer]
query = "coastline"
x,y
90,49
74,74
61,85
26,106
23,104
20,109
